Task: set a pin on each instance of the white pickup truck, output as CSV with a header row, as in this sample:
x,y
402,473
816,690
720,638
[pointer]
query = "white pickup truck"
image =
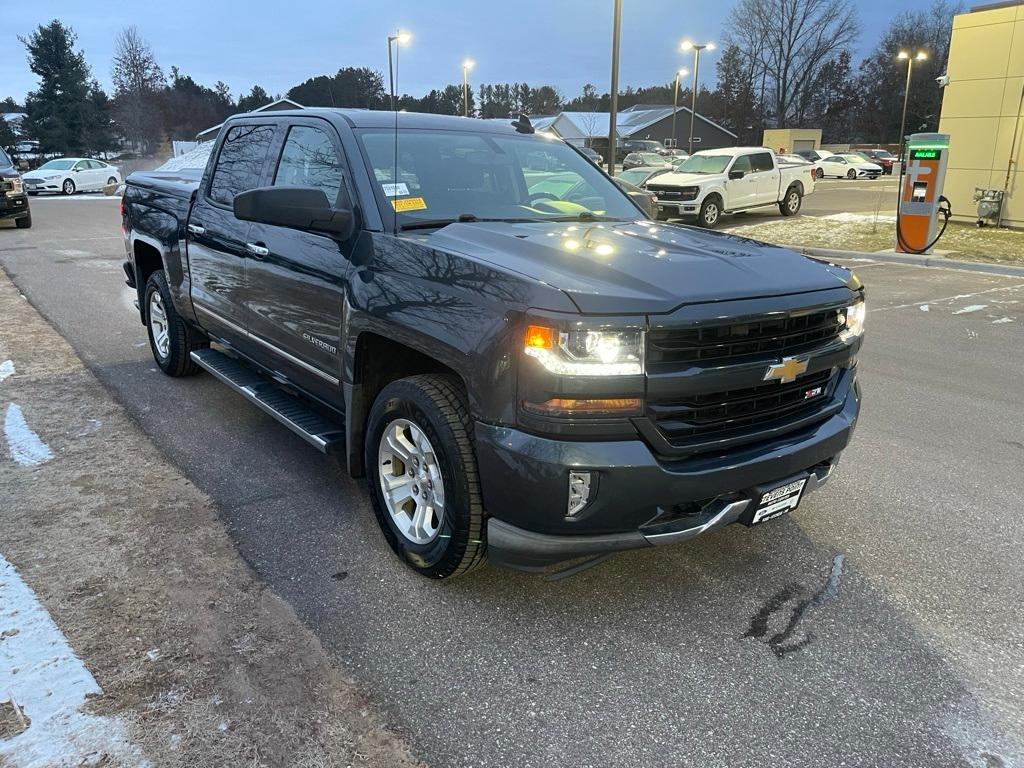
x,y
717,181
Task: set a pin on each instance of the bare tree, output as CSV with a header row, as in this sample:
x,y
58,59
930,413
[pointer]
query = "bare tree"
x,y
138,83
787,43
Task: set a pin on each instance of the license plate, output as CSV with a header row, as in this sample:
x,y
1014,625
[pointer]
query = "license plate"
x,y
778,501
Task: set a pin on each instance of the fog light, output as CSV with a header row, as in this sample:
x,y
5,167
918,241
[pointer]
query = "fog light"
x,y
579,492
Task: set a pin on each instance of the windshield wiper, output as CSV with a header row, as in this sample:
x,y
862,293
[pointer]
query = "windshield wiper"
x,y
462,218
581,216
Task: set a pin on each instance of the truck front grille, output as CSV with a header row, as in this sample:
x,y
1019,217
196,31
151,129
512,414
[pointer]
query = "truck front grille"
x,y
673,193
734,342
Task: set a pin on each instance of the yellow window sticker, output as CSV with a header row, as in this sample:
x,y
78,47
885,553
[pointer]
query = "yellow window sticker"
x,y
409,204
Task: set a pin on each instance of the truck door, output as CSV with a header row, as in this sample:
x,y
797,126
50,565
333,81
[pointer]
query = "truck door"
x,y
768,178
216,239
296,279
741,192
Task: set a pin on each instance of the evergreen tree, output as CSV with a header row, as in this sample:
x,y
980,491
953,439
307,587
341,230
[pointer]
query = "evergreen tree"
x,y
61,112
256,98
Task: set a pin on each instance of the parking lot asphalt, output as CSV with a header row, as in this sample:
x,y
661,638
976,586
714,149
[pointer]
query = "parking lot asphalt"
x,y
878,625
832,196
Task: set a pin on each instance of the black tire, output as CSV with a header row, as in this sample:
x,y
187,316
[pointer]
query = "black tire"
x,y
182,339
790,204
68,187
437,406
710,212
32,194
25,222
819,173
111,180
851,174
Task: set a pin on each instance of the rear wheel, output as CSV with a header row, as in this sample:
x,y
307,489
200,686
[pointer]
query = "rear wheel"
x,y
819,173
170,338
111,180
68,187
790,204
710,212
423,477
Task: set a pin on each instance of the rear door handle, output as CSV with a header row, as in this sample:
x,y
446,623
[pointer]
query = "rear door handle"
x,y
195,229
257,250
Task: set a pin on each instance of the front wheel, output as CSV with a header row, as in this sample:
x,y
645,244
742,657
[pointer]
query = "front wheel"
x,y
170,338
423,477
710,212
25,222
68,187
790,204
851,174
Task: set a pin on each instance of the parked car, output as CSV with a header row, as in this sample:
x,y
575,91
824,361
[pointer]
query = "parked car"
x,y
13,201
646,200
801,161
525,376
627,146
849,166
593,155
674,152
881,157
815,156
717,181
71,174
641,175
638,159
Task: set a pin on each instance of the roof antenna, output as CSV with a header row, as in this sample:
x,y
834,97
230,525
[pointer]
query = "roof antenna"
x,y
523,124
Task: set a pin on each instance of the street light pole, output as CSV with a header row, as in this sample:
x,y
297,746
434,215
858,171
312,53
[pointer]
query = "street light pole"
x,y
697,48
401,38
466,66
919,56
675,106
616,33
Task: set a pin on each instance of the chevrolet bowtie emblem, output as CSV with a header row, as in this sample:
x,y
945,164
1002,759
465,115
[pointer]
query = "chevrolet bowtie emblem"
x,y
787,370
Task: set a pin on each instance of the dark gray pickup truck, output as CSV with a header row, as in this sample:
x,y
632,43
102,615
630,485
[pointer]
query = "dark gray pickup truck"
x,y
525,367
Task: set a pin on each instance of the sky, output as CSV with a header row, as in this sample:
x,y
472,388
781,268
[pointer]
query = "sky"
x,y
564,43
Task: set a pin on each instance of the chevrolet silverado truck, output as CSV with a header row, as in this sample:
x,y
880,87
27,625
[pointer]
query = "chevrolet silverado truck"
x,y
13,201
717,181
524,370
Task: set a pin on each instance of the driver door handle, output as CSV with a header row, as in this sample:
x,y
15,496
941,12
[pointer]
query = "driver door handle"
x,y
257,250
195,229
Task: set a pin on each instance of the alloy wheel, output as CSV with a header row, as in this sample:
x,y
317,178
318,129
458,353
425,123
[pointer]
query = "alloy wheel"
x,y
710,214
68,187
410,481
158,325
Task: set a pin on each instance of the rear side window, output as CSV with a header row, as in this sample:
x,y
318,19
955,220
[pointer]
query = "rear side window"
x,y
762,161
240,161
310,160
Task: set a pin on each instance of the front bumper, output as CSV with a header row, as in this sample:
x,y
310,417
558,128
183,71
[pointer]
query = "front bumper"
x,y
13,207
641,500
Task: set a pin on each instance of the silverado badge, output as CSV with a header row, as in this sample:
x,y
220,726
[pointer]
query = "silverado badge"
x,y
786,371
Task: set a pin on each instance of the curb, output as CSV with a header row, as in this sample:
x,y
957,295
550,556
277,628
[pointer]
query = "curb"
x,y
918,261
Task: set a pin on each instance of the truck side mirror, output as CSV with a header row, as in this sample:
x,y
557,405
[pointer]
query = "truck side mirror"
x,y
736,174
305,208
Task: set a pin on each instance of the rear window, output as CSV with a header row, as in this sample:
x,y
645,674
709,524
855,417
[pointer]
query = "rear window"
x,y
240,162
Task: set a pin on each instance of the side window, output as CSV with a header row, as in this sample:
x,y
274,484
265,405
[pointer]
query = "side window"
x,y
309,160
742,164
240,161
96,165
835,159
82,165
762,161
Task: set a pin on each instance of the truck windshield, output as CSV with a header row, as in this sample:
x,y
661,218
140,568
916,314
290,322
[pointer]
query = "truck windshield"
x,y
704,164
447,175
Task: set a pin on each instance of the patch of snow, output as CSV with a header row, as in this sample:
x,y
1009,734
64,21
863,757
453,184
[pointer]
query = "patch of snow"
x,y
24,445
194,159
924,307
153,654
971,308
1002,320
40,671
6,369
859,218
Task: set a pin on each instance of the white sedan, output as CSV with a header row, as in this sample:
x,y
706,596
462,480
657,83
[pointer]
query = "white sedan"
x,y
71,174
849,167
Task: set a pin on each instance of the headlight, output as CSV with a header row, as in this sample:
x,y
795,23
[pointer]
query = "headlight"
x,y
587,352
854,321
51,178
16,188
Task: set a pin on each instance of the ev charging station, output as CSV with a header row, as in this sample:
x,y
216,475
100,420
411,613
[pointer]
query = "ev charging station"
x,y
921,201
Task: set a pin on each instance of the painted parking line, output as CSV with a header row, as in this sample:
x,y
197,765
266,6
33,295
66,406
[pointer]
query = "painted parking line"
x,y
45,685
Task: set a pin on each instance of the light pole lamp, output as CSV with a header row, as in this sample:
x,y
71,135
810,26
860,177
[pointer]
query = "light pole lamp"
x,y
919,56
401,38
675,104
467,65
697,48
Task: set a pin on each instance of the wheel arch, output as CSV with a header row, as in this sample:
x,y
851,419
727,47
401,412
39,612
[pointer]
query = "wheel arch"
x,y
147,258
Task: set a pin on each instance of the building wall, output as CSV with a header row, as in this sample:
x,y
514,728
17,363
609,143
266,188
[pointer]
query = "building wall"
x,y
793,139
981,110
710,136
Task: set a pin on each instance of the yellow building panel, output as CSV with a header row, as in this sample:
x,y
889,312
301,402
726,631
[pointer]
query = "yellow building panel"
x,y
972,140
986,18
1013,89
959,188
975,98
979,52
1015,59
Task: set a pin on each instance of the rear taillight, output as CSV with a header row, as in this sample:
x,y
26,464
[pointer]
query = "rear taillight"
x,y
124,228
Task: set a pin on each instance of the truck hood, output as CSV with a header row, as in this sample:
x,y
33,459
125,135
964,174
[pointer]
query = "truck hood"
x,y
687,179
640,267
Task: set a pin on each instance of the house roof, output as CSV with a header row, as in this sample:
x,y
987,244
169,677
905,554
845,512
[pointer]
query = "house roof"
x,y
629,121
274,106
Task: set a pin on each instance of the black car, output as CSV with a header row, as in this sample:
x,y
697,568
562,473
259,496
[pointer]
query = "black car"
x,y
523,365
13,200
